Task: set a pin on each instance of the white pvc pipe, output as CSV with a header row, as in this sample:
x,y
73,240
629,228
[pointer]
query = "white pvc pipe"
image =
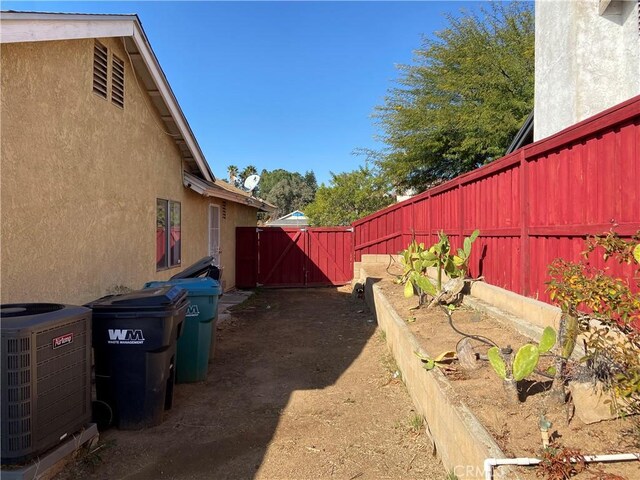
x,y
489,463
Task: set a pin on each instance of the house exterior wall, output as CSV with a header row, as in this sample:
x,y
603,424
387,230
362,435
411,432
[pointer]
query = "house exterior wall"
x,y
80,178
585,62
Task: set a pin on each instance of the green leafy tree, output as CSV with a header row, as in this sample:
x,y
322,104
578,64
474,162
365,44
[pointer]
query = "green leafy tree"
x,y
310,179
348,197
462,100
289,194
286,190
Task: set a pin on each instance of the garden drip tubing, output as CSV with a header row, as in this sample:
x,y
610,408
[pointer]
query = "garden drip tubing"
x,y
391,260
479,338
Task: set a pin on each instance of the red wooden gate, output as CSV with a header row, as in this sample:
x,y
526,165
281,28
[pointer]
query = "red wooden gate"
x,y
293,257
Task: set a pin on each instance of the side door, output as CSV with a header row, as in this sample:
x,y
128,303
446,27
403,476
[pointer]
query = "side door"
x,y
214,234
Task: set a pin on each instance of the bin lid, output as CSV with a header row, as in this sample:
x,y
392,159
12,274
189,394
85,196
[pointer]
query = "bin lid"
x,y
204,267
152,298
194,286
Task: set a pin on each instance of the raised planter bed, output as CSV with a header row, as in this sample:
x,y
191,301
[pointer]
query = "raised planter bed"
x,y
468,415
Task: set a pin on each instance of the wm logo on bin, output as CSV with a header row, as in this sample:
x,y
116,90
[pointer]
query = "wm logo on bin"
x,y
125,336
192,311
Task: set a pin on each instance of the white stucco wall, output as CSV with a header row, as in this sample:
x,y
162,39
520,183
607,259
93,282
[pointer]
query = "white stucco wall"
x,y
585,62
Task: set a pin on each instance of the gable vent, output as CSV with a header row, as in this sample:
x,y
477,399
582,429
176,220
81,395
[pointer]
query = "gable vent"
x,y
100,69
224,209
117,82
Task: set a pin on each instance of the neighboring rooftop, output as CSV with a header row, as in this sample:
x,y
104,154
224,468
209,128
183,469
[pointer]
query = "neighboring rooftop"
x,y
293,219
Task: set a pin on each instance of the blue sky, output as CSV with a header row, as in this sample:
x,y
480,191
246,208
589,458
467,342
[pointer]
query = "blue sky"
x,y
279,84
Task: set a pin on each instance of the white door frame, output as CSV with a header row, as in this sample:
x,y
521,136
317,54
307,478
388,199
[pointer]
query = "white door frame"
x,y
214,212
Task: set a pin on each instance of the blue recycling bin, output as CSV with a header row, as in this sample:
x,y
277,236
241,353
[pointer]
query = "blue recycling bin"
x,y
198,334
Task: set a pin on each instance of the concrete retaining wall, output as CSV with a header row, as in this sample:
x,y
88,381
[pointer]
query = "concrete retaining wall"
x,y
460,440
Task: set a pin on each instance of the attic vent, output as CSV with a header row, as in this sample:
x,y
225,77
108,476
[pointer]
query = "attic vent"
x,y
100,69
224,209
117,82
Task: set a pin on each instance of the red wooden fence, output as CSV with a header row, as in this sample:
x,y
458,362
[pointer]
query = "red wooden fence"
x,y
532,206
293,257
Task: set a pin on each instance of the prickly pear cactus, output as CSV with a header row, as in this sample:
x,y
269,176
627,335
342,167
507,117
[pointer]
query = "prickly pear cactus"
x,y
493,354
525,362
548,340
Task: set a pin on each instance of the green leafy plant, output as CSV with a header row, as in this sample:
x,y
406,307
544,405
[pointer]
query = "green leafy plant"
x,y
524,363
416,260
461,260
454,265
442,260
606,311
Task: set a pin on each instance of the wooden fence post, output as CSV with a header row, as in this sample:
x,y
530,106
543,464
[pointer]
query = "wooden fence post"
x,y
525,259
460,215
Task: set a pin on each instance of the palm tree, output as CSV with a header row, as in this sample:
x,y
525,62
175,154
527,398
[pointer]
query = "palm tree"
x,y
232,171
249,170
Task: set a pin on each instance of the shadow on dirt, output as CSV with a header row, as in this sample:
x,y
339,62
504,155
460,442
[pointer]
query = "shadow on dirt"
x,y
276,343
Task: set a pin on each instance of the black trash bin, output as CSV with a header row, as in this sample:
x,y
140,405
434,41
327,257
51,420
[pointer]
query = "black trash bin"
x,y
134,342
205,267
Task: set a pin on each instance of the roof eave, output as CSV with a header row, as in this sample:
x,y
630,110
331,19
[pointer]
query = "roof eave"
x,y
208,189
173,106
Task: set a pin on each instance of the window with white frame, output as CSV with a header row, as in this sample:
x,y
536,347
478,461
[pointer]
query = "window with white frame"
x,y
168,234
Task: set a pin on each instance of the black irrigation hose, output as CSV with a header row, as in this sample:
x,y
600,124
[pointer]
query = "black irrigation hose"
x,y
391,260
485,340
479,338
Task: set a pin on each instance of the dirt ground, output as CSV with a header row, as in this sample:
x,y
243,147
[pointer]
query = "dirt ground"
x,y
301,387
513,426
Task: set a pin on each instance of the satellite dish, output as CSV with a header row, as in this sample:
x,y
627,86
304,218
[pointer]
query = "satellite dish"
x,y
251,182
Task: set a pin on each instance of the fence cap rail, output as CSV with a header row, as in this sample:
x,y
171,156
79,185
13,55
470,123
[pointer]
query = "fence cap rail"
x,y
590,127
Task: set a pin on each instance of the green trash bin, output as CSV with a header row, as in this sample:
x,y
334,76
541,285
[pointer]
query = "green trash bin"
x,y
198,335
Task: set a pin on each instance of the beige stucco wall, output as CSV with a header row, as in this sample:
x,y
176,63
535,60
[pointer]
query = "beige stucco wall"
x,y
80,178
585,61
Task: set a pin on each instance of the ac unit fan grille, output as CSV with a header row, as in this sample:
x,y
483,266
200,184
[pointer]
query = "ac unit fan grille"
x,y
19,393
46,395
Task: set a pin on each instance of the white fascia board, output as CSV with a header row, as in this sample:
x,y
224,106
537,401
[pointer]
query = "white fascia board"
x,y
58,27
210,190
166,93
194,183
